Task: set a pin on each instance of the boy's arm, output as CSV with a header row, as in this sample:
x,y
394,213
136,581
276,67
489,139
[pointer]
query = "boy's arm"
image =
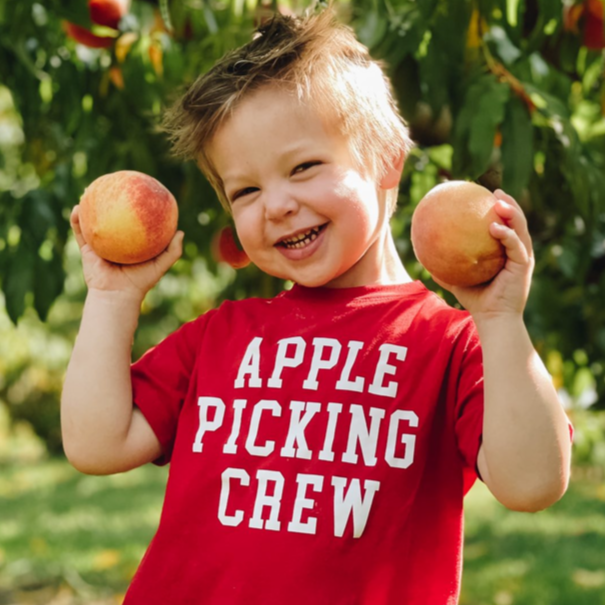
x,y
525,456
102,430
526,450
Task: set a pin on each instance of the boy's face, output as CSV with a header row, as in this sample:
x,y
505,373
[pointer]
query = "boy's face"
x,y
302,210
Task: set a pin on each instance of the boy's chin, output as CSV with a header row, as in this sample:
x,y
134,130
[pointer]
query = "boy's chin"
x,y
311,283
314,281
308,281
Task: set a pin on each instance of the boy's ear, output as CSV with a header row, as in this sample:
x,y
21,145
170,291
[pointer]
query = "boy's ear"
x,y
393,174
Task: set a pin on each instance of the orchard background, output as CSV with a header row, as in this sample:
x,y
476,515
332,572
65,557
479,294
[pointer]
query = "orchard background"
x,y
509,93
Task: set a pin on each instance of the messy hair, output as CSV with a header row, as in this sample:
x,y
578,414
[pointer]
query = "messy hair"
x,y
320,60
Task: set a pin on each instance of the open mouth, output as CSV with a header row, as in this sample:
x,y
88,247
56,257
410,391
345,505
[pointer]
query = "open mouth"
x,y
302,239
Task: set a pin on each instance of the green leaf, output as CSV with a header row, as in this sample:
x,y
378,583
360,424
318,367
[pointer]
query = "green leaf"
x,y
576,173
569,257
432,82
594,182
405,33
76,12
213,27
512,9
517,147
597,181
371,29
550,9
546,18
22,54
37,216
19,279
165,13
50,276
422,182
546,102
442,65
428,7
482,113
505,49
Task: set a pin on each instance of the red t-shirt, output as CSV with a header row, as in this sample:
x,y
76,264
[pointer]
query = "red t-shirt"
x,y
320,445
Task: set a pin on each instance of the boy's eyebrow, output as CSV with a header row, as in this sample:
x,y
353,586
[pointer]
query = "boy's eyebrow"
x,y
302,149
233,177
287,156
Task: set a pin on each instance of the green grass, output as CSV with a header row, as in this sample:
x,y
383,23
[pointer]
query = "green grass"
x,y
64,530
554,557
81,537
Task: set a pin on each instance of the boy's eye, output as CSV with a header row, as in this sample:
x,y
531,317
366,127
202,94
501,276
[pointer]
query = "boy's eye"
x,y
243,192
305,166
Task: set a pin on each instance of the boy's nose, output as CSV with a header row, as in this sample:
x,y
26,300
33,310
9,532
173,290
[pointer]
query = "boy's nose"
x,y
279,204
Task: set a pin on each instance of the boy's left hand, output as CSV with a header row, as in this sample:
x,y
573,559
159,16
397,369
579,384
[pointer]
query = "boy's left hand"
x,y
507,293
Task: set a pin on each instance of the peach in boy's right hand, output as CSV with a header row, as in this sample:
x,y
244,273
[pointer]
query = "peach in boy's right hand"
x,y
128,217
131,280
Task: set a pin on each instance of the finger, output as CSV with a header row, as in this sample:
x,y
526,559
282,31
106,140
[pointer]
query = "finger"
x,y
74,220
505,211
74,217
174,251
502,195
516,250
456,290
505,199
510,200
513,217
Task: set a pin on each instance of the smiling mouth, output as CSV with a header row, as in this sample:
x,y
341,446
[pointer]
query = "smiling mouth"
x,y
302,239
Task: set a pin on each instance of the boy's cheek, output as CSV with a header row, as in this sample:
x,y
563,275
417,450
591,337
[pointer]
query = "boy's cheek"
x,y
247,234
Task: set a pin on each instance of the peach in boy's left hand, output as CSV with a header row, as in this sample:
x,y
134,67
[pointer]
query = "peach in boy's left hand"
x,y
507,293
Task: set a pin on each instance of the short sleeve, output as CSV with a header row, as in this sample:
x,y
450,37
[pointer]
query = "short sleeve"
x,y
161,379
469,397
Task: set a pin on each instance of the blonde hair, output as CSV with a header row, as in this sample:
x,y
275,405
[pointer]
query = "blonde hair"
x,y
319,59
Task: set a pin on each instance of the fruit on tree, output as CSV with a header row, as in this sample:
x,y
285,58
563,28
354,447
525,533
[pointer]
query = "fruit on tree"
x,y
86,37
102,12
116,76
590,14
128,217
571,17
225,249
107,12
594,31
450,234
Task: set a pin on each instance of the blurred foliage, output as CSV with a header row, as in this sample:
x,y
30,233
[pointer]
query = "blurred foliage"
x,y
510,93
589,445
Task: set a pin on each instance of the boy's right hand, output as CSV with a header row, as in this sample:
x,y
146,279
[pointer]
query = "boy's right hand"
x,y
127,280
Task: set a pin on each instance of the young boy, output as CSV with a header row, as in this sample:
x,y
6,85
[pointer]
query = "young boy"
x,y
320,442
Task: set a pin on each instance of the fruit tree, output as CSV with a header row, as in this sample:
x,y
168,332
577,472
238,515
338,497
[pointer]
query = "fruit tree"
x,y
507,93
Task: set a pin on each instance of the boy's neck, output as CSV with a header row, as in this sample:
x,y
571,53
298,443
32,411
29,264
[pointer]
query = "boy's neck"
x,y
385,269
392,270
395,271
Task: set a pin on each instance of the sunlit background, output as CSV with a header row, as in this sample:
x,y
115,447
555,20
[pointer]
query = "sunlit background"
x,y
509,93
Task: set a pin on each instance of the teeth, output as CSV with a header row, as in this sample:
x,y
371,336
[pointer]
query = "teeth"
x,y
298,238
301,240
